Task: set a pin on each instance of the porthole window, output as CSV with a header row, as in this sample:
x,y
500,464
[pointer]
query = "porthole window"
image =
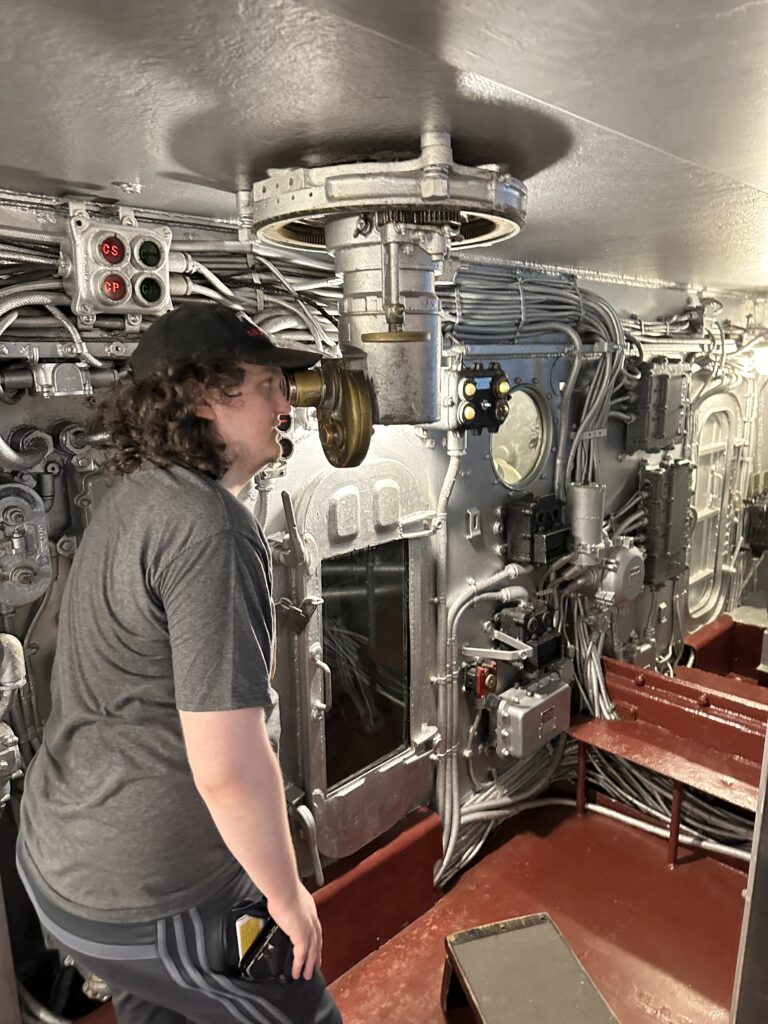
x,y
517,447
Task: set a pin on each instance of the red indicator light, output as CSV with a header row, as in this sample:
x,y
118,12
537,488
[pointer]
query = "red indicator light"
x,y
112,249
114,287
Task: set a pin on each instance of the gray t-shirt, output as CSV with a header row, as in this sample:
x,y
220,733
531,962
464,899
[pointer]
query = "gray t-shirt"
x,y
167,607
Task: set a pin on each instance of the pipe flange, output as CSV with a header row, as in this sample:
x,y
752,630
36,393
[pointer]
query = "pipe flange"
x,y
481,204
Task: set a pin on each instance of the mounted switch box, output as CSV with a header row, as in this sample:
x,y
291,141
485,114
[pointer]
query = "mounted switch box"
x,y
535,529
483,402
523,719
756,532
531,622
667,491
116,268
658,405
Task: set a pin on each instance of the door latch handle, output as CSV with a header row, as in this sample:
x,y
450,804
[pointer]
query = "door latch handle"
x,y
295,552
324,705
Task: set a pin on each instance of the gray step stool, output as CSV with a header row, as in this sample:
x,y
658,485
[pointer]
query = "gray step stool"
x,y
520,971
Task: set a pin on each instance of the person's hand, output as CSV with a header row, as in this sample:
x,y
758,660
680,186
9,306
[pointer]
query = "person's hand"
x,y
298,919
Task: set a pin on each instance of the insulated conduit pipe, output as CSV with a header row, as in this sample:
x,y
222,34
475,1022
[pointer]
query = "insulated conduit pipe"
x,y
574,349
212,245
257,249
456,445
448,702
301,314
53,283
211,293
273,322
321,340
452,823
298,335
301,310
509,789
684,839
8,320
50,301
33,299
213,280
22,235
497,805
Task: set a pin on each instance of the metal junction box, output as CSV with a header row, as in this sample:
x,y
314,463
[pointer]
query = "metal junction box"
x,y
116,268
528,717
756,533
661,399
667,491
535,529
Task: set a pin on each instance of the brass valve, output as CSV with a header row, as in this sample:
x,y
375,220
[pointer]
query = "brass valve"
x,y
344,406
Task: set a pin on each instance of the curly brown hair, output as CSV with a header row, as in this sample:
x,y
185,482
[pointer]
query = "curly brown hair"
x,y
154,420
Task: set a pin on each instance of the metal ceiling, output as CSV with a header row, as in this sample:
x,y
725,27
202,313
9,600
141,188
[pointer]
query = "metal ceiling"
x,y
642,130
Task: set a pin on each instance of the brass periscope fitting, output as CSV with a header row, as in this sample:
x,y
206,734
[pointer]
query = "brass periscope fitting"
x,y
344,406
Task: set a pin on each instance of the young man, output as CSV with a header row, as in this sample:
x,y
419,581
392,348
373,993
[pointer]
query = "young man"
x,y
154,814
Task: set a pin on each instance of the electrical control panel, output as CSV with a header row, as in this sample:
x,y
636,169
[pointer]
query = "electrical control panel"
x,y
523,719
658,402
531,622
482,398
536,532
116,268
756,531
667,492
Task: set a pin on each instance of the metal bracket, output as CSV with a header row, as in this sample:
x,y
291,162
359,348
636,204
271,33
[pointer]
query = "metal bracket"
x,y
423,744
518,651
428,520
127,215
474,524
77,208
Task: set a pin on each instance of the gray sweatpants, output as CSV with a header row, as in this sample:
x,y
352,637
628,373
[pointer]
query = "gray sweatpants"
x,y
182,975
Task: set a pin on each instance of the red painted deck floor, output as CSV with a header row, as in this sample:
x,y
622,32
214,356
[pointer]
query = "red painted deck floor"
x,y
659,943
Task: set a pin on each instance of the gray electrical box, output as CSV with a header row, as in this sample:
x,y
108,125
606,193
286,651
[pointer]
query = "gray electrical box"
x,y
116,268
667,502
527,717
660,398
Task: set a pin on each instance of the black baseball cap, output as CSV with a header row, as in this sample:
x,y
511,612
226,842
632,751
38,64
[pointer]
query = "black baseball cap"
x,y
199,334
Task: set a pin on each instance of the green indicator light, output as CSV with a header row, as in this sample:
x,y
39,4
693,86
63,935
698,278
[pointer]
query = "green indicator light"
x,y
150,290
150,254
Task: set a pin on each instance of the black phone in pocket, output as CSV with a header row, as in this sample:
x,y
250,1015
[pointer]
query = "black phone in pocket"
x,y
269,956
233,952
